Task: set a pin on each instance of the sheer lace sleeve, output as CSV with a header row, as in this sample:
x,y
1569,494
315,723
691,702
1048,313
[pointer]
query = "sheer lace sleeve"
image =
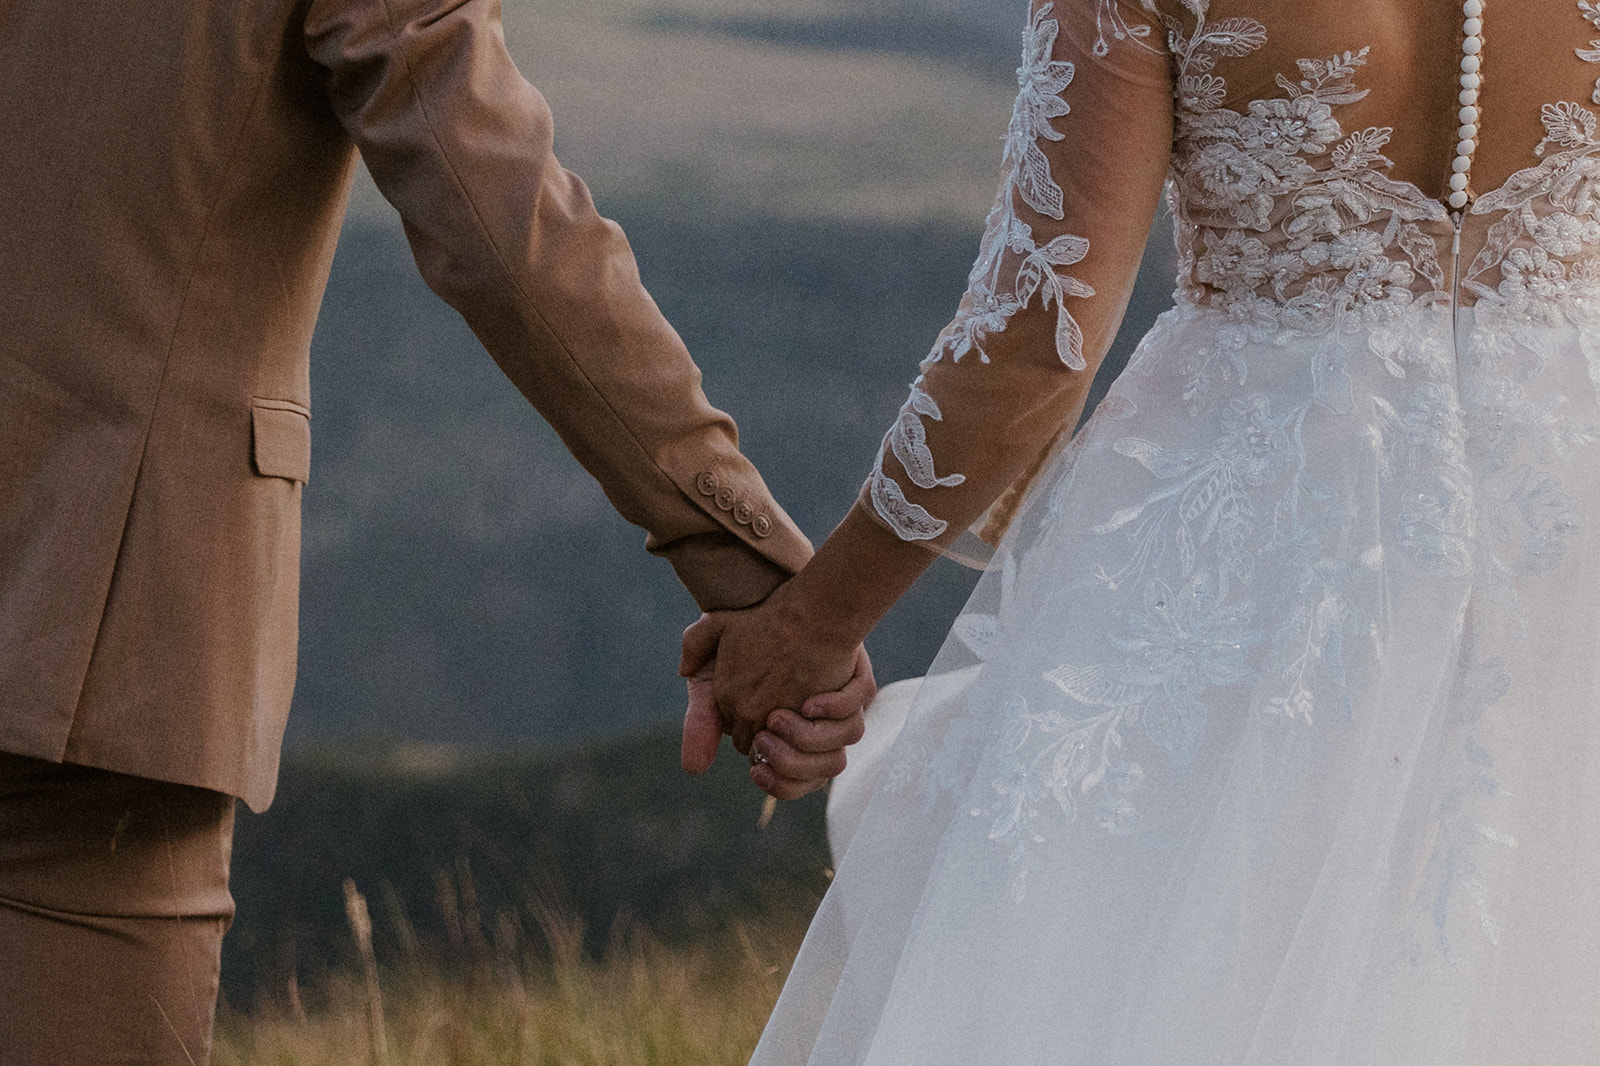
x,y
1085,156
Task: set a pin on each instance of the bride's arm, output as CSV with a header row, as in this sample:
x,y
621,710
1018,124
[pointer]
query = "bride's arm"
x,y
1086,156
1085,159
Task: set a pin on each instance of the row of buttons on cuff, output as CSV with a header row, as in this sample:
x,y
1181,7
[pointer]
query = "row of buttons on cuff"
x,y
727,499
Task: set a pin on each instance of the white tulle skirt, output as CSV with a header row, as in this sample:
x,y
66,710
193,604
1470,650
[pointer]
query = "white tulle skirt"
x,y
1270,738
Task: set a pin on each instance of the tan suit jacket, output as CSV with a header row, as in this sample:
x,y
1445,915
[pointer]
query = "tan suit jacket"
x,y
172,185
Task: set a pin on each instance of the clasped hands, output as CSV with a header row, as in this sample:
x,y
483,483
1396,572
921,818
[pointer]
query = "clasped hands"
x,y
788,694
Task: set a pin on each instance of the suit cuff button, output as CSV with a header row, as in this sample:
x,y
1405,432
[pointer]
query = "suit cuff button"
x,y
706,483
761,525
743,512
724,498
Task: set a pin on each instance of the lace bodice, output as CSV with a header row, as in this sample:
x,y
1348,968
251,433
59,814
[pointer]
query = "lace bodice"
x,y
1306,154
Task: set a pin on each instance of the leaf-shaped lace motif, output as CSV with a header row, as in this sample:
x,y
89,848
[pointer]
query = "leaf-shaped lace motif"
x,y
1569,125
909,439
1012,269
1592,53
910,521
1234,37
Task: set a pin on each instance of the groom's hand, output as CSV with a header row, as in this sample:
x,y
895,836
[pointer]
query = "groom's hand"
x,y
702,729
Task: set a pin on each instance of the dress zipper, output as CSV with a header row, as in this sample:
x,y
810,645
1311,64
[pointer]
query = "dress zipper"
x,y
1458,220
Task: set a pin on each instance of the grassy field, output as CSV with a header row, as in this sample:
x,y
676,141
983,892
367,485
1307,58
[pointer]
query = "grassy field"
x,y
639,1001
590,905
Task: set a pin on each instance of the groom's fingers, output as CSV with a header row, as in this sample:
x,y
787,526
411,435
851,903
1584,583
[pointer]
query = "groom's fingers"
x,y
702,729
816,735
700,644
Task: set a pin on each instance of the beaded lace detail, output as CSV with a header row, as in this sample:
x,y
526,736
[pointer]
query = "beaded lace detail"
x,y
1286,221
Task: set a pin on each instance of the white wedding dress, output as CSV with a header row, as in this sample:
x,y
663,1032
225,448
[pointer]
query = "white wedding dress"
x,y
1271,736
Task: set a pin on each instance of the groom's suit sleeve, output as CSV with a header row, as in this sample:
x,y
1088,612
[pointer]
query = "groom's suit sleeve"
x,y
460,144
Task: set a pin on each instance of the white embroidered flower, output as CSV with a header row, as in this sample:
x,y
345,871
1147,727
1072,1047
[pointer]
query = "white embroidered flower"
x,y
1224,177
1315,220
1252,317
1498,413
1530,274
1315,308
1356,249
1432,420
1582,303
1180,643
1202,92
1301,124
1379,290
1567,124
1576,187
985,313
1286,268
1532,524
1233,259
1428,431
1435,524
1565,235
1253,447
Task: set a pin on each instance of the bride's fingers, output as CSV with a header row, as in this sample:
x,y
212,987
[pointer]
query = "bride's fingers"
x,y
841,704
855,695
790,762
783,788
816,735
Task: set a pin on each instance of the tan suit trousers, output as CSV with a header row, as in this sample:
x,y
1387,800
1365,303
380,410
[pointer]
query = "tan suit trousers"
x,y
113,902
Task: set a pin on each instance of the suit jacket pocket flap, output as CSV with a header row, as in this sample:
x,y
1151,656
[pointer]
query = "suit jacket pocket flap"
x,y
282,439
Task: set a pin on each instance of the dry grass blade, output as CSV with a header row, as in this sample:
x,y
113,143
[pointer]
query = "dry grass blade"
x,y
355,906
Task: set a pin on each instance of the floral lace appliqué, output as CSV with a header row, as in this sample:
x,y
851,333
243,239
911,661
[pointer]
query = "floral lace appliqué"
x,y
1286,221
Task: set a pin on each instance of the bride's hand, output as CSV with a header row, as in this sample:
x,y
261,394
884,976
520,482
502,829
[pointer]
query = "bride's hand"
x,y
799,753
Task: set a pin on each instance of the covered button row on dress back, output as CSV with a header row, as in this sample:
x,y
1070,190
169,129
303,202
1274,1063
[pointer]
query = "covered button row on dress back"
x,y
1471,81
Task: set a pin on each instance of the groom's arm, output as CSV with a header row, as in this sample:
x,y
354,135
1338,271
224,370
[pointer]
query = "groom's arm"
x,y
461,145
